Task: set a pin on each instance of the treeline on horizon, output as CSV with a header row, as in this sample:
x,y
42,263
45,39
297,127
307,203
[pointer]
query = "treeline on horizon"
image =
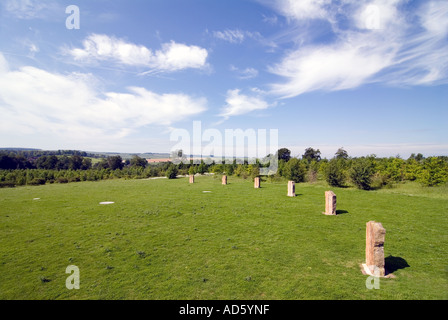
x,y
36,167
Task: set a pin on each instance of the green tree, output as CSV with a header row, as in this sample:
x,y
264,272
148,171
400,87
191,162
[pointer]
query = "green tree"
x,y
171,172
202,168
284,154
137,161
63,163
341,154
294,170
434,172
115,162
412,169
395,169
334,174
311,154
419,157
75,162
229,169
47,162
86,164
361,173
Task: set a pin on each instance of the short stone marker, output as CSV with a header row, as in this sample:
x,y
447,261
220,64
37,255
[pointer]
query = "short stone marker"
x,y
191,178
224,180
375,264
291,189
330,203
107,202
257,182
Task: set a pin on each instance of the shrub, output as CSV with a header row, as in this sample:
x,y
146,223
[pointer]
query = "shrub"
x,y
311,175
361,173
434,172
6,184
380,180
37,182
62,180
202,168
334,173
171,172
74,179
294,170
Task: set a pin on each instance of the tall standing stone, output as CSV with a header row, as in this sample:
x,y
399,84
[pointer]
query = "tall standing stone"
x,y
224,180
257,182
291,189
330,203
191,178
375,234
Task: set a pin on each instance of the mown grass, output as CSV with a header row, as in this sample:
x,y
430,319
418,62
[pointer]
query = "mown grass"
x,y
167,239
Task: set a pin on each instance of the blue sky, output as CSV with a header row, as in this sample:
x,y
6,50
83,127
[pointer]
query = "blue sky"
x,y
369,76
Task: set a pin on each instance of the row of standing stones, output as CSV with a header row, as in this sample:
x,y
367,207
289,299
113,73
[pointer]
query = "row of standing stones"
x,y
375,233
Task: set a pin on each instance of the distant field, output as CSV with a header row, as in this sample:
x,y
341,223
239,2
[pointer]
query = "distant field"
x,y
167,239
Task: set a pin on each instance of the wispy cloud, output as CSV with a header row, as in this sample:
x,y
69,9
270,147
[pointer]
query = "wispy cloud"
x,y
238,104
304,9
273,19
371,41
236,35
31,9
171,57
244,74
232,36
72,107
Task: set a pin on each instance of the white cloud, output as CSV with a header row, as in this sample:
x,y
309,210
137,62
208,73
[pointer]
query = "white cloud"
x,y
378,41
270,19
377,14
31,9
36,102
175,56
239,104
434,17
245,74
232,36
304,9
236,35
172,56
336,67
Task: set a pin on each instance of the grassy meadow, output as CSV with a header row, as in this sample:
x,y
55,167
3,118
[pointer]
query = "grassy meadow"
x,y
167,239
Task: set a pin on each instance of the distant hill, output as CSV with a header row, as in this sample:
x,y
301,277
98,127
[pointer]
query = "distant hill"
x,y
19,149
146,155
93,154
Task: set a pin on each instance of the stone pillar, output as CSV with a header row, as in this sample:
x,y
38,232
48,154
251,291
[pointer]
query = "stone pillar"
x,y
291,189
375,234
330,203
191,178
224,180
257,182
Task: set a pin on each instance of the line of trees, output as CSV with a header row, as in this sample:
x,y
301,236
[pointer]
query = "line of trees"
x,y
365,173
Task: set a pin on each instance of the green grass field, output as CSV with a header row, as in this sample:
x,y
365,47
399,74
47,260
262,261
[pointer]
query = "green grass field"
x,y
167,239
